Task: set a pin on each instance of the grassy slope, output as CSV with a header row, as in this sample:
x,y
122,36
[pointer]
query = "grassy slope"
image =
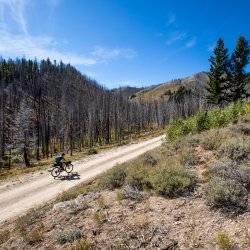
x,y
186,220
161,90
157,92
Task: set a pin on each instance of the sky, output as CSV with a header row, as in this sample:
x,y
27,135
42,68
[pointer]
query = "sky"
x,y
123,42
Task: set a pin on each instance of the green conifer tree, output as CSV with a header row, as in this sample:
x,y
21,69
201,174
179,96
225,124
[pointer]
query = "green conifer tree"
x,y
218,75
236,87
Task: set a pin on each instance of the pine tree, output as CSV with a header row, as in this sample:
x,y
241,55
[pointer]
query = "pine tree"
x,y
240,58
219,69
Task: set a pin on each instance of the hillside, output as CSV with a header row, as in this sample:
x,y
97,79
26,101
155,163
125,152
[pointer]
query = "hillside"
x,y
126,91
190,193
165,90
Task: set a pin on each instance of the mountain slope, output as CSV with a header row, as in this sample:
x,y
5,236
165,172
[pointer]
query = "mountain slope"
x,y
126,91
165,90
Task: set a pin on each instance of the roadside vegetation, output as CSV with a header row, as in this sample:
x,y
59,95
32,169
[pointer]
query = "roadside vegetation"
x,y
206,120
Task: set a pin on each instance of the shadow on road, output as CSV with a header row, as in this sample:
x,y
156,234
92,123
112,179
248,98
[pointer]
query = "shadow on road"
x,y
69,177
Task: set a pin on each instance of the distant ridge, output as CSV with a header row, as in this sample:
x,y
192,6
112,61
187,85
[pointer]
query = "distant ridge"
x,y
164,90
126,91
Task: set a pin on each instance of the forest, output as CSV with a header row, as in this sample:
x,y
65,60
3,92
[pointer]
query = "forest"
x,y
48,107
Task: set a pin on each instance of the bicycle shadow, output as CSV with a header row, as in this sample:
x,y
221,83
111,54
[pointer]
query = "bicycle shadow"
x,y
69,177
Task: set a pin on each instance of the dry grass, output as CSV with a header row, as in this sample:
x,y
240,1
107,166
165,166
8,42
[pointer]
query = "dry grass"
x,y
139,221
31,234
247,238
35,235
224,241
157,92
99,217
101,202
83,244
4,236
119,196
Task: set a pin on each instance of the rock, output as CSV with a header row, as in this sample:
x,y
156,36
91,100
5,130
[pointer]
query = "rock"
x,y
80,202
132,193
82,198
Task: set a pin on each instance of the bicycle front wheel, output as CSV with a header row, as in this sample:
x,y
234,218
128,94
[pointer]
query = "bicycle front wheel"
x,y
69,168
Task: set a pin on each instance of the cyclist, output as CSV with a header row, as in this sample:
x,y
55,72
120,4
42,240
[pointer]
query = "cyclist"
x,y
59,160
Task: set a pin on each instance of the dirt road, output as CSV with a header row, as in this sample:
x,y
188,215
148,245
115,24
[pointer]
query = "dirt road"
x,y
32,190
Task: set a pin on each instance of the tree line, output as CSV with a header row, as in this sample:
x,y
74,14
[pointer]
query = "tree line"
x,y
48,107
227,77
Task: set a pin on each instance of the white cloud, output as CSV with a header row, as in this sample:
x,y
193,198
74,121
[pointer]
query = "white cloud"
x,y
41,47
175,36
191,43
171,19
104,54
16,9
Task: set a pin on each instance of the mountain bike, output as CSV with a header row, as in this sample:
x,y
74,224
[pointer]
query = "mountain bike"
x,y
57,170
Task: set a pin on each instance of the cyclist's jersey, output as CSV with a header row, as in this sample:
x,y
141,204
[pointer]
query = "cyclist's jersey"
x,y
58,159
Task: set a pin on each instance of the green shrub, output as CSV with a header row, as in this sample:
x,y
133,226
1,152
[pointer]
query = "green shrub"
x,y
211,141
150,159
114,178
227,169
92,151
228,186
68,236
235,150
173,182
202,122
227,194
192,141
139,178
175,129
190,158
218,118
213,118
241,128
244,173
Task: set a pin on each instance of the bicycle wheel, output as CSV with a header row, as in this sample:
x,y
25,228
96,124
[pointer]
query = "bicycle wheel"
x,y
68,168
55,172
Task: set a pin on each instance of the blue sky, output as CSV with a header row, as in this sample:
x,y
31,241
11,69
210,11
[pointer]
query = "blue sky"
x,y
122,42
